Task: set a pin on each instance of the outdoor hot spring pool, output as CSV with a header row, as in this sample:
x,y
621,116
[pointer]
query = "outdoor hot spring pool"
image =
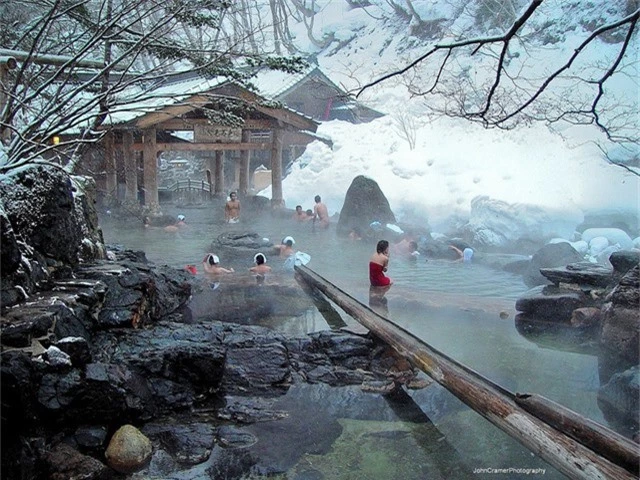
x,y
464,311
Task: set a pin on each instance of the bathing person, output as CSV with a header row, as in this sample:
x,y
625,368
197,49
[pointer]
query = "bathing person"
x,y
355,234
260,264
378,265
320,213
406,248
463,255
285,249
299,215
211,264
232,209
181,221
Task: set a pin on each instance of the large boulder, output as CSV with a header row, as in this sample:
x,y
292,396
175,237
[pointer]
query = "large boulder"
x,y
129,450
497,224
40,206
549,256
621,323
49,225
364,203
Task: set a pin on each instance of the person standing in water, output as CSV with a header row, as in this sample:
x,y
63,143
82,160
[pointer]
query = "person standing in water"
x,y
232,209
378,265
320,213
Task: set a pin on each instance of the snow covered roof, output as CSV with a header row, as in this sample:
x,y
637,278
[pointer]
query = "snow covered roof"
x,y
270,85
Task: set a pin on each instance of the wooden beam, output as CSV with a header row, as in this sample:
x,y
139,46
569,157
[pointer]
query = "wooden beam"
x,y
111,179
205,147
612,445
491,401
277,199
219,174
150,159
130,169
289,117
245,161
171,112
188,124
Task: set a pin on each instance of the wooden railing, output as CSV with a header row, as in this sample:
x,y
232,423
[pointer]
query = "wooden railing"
x,y
186,185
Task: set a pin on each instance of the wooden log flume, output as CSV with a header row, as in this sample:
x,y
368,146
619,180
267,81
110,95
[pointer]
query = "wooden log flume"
x,y
494,403
598,438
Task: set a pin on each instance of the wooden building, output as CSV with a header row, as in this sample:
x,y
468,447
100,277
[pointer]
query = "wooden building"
x,y
178,117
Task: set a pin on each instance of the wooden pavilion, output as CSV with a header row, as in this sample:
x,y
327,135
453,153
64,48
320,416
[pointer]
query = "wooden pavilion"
x,y
159,122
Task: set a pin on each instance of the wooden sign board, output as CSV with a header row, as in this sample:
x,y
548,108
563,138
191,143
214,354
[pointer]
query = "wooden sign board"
x,y
216,133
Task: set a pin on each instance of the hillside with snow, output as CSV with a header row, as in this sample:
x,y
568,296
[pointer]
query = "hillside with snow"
x,y
444,171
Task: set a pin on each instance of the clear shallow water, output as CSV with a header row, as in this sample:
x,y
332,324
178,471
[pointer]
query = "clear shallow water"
x,y
453,307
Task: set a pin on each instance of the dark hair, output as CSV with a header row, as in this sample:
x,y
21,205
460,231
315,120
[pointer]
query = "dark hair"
x,y
317,198
413,244
289,243
309,211
298,207
382,246
211,260
259,259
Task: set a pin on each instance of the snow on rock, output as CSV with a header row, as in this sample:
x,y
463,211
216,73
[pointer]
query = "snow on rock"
x,y
497,223
612,235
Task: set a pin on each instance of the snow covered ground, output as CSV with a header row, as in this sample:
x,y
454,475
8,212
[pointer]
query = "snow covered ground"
x,y
536,181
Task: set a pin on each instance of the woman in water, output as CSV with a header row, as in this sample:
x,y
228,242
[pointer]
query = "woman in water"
x,y
378,265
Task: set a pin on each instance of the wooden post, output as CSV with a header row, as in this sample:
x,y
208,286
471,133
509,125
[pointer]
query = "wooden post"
x,y
111,177
219,174
491,401
130,170
243,181
6,63
150,157
277,200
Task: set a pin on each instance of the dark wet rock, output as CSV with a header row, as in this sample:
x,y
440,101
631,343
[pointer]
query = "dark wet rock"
x,y
364,203
620,396
437,249
232,302
235,437
549,256
106,391
627,293
508,262
22,326
39,204
162,465
551,303
64,463
10,254
187,444
240,245
621,317
77,348
586,317
136,293
624,260
90,437
580,273
256,364
249,409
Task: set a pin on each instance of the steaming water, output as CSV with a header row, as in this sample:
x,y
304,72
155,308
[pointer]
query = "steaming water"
x,y
454,307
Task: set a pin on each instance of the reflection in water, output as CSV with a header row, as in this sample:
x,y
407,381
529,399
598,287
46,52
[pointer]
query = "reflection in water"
x,y
378,301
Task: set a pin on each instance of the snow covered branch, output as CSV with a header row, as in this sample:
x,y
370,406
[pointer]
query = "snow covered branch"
x,y
505,79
